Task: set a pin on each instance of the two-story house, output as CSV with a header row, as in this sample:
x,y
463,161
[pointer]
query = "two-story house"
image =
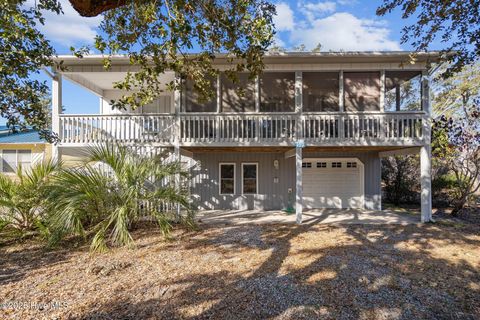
x,y
308,133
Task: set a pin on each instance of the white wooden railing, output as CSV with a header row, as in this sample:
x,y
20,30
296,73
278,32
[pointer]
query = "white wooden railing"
x,y
247,128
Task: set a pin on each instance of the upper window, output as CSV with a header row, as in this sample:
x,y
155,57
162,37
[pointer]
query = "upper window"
x,y
277,92
194,102
238,96
249,178
12,159
227,178
362,91
403,90
320,91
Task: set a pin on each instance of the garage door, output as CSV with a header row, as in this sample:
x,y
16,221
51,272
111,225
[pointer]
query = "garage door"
x,y
332,183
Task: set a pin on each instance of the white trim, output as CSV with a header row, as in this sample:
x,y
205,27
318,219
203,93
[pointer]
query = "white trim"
x,y
256,178
360,166
220,178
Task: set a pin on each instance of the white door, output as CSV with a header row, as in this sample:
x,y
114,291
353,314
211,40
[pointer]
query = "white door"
x,y
332,183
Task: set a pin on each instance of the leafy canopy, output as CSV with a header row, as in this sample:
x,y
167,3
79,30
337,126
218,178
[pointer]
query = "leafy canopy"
x,y
156,35
455,24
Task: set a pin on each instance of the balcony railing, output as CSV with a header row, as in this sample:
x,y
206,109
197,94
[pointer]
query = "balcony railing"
x,y
247,129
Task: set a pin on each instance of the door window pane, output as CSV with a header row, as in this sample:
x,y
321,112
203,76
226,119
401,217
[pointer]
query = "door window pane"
x,y
249,178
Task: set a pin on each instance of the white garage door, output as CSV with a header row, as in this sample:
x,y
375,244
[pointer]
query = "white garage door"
x,y
332,183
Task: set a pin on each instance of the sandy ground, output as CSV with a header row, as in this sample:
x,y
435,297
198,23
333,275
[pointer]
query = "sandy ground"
x,y
315,271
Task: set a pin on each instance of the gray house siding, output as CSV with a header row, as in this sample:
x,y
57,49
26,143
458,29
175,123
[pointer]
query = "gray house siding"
x,y
271,196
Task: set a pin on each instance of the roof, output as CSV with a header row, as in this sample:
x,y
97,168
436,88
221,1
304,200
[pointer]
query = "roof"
x,y
27,136
286,57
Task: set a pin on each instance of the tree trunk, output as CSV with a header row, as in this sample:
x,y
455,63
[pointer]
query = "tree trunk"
x,y
92,8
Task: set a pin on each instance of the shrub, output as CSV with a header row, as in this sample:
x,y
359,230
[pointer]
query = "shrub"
x,y
400,178
23,199
111,192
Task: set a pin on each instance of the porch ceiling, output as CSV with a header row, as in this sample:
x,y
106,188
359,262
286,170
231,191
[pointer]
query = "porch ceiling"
x,y
284,149
99,81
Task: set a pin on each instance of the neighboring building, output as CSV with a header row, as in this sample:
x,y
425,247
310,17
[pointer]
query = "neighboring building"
x,y
308,133
22,148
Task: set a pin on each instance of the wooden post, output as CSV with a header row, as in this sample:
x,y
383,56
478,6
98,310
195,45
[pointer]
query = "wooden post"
x,y
257,94
177,94
299,185
56,111
426,152
341,95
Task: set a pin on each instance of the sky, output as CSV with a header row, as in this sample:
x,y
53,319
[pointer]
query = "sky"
x,y
336,25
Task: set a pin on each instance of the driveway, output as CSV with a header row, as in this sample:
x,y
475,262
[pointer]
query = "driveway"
x,y
328,216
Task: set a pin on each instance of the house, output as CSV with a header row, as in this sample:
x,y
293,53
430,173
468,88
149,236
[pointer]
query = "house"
x,y
22,148
308,133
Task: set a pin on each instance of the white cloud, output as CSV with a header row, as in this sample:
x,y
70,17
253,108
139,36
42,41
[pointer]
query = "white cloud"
x,y
344,31
69,28
284,19
320,7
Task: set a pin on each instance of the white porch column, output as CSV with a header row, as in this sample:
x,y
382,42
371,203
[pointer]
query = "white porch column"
x,y
56,111
177,100
426,152
426,182
299,185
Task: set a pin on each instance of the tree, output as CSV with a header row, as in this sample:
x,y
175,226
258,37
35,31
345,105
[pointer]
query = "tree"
x,y
456,143
455,23
156,35
112,191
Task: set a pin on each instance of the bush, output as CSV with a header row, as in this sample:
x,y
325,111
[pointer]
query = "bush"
x,y
23,200
400,178
111,192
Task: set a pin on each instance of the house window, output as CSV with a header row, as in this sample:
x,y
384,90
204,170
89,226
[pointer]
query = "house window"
x,y
249,178
306,165
227,178
321,164
351,164
12,159
336,164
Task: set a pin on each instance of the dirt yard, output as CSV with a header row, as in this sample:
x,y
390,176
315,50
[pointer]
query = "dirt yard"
x,y
314,271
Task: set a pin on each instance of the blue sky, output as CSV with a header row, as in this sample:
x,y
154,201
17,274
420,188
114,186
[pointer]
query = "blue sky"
x,y
340,24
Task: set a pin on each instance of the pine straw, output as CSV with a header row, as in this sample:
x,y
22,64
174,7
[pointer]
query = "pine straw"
x,y
254,272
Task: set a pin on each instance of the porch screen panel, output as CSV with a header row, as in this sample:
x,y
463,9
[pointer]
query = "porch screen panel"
x,y
362,91
238,96
403,90
320,91
194,102
227,178
277,92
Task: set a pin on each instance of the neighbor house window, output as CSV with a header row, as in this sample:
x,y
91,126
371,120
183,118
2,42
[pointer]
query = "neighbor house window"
x,y
320,91
362,91
249,178
403,90
238,96
277,92
227,178
12,159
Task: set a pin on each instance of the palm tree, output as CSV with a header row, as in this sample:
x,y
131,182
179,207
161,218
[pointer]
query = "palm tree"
x,y
113,190
22,198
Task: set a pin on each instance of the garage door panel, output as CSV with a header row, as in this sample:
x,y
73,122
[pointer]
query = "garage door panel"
x,y
329,187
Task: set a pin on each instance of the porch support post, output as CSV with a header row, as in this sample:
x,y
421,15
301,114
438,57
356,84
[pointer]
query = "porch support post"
x,y
426,152
176,135
426,182
341,96
382,91
299,187
56,111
